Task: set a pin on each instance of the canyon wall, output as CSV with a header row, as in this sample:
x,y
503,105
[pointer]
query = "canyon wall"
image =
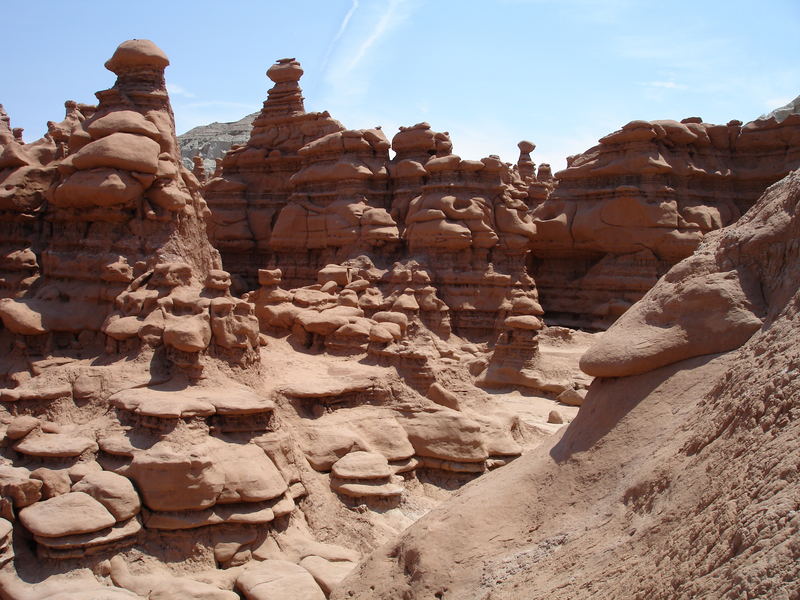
x,y
304,192
678,478
164,435
628,209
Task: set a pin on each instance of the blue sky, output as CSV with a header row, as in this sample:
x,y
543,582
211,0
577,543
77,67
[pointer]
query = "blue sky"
x,y
561,73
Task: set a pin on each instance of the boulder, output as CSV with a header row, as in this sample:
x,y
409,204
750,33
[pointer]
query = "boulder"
x,y
113,491
55,445
54,482
174,479
362,465
121,151
445,434
278,579
327,573
68,514
17,484
21,426
572,397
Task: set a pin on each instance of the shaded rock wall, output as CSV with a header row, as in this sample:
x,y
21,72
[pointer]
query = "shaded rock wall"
x,y
643,199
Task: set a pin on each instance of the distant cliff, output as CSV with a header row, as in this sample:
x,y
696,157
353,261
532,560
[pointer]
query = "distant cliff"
x,y
784,111
213,141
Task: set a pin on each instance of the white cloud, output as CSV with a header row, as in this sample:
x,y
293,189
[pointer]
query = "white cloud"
x,y
359,37
177,90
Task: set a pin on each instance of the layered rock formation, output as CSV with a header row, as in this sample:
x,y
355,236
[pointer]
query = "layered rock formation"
x,y
181,440
99,202
170,429
628,209
255,182
678,477
305,193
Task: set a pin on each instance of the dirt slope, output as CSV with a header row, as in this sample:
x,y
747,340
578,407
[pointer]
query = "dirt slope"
x,y
679,482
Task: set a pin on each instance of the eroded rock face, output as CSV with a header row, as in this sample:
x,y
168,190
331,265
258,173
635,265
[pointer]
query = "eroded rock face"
x,y
254,183
713,301
162,413
117,202
715,379
305,193
152,414
643,199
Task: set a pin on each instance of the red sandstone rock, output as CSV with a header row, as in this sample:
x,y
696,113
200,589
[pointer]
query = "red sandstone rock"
x,y
648,443
338,399
628,209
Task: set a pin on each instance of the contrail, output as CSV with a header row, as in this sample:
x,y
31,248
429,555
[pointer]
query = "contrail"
x,y
339,34
381,28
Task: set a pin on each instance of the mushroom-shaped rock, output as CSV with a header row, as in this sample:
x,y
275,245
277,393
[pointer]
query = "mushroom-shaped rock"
x,y
364,475
122,121
527,322
368,489
691,311
164,403
445,434
171,479
278,579
113,491
67,514
285,70
362,465
137,54
322,323
250,475
76,545
125,151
